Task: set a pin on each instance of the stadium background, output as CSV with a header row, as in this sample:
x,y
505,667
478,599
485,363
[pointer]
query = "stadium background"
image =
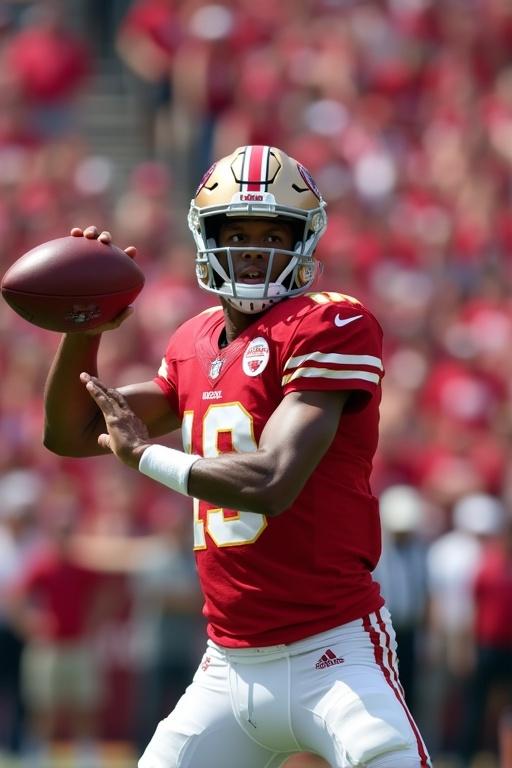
x,y
402,111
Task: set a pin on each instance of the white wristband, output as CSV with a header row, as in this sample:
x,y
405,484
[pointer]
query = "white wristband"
x,y
167,466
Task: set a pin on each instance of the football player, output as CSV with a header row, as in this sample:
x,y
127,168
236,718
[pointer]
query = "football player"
x,y
276,390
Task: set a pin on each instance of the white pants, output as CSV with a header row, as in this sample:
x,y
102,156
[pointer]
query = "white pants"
x,y
336,694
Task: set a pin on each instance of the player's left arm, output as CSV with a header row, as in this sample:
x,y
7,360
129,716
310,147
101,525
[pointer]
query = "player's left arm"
x,y
265,481
268,480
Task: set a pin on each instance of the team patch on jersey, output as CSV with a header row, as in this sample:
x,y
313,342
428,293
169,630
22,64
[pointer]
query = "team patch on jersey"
x,y
256,357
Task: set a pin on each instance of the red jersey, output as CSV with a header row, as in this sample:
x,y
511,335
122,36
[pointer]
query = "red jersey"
x,y
493,599
64,592
279,579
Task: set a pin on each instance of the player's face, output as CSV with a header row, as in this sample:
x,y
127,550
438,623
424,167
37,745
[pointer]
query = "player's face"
x,y
251,266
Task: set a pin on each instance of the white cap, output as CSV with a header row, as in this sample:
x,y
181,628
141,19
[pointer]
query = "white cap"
x,y
479,513
401,508
19,490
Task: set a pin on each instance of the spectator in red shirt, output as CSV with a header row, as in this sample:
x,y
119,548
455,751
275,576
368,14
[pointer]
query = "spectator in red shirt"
x,y
57,604
146,42
50,64
492,638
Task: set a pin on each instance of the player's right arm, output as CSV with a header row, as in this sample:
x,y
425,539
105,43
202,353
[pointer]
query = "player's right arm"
x,y
73,421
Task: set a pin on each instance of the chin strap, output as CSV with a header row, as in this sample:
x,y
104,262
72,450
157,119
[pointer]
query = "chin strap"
x,y
250,305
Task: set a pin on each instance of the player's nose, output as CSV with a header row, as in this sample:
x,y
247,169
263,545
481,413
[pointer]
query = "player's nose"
x,y
253,253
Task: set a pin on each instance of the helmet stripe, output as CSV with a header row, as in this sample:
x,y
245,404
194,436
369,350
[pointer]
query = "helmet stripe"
x,y
255,169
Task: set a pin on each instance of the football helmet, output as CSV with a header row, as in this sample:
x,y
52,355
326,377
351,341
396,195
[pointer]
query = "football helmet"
x,y
257,181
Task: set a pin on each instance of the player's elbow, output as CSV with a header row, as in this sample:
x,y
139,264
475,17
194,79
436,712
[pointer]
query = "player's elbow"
x,y
52,443
56,444
276,497
57,447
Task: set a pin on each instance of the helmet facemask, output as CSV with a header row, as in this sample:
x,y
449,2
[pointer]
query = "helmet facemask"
x,y
215,264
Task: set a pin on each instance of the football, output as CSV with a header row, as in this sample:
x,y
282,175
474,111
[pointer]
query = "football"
x,y
72,284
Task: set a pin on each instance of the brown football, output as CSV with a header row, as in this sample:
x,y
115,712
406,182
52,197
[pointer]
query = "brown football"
x,y
72,284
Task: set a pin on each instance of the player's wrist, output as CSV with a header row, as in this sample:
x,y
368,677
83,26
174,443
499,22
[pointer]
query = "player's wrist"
x,y
167,466
137,452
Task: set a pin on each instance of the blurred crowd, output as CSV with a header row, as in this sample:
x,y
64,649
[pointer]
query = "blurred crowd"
x,y
402,111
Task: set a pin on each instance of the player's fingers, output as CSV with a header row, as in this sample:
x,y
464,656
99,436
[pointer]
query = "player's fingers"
x,y
113,324
105,236
98,395
117,397
102,393
96,386
77,232
121,317
131,251
86,377
91,232
104,441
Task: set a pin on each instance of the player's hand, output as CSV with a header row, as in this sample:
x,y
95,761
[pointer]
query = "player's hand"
x,y
111,325
127,436
92,233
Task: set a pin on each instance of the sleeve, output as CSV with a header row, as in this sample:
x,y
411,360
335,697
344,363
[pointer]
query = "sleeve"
x,y
335,346
167,375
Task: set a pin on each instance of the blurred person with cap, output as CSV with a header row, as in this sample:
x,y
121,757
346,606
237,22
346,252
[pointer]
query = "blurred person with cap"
x,y
452,563
20,491
401,572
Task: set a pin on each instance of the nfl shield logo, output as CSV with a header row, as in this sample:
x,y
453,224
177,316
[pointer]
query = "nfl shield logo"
x,y
215,368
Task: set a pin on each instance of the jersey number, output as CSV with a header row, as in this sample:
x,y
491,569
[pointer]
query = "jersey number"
x,y
231,419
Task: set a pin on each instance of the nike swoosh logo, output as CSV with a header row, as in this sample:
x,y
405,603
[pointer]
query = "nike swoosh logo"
x,y
341,322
